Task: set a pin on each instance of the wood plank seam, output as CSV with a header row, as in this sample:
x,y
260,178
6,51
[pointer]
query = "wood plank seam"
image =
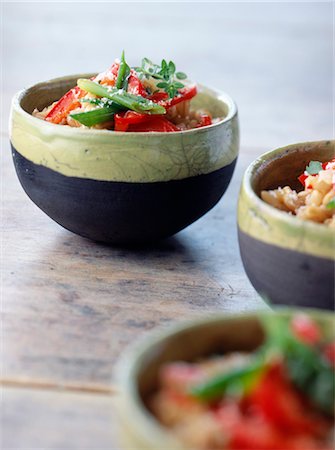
x,y
47,385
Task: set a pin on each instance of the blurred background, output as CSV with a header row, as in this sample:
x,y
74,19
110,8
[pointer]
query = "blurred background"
x,y
274,59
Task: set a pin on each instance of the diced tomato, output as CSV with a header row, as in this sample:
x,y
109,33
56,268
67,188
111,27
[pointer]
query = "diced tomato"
x,y
253,434
325,166
156,123
302,178
135,86
205,120
158,96
123,120
186,93
281,404
67,103
305,329
329,165
329,353
250,430
133,121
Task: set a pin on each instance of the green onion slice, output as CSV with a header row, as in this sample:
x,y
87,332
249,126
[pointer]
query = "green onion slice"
x,y
121,97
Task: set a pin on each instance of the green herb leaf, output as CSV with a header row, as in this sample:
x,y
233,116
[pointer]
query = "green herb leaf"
x,y
181,75
178,85
331,204
314,167
162,84
172,68
165,72
307,369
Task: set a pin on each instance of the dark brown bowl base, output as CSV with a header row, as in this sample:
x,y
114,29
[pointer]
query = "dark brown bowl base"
x,y
121,212
284,276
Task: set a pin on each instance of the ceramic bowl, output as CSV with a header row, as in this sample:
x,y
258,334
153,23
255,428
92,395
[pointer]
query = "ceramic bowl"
x,y
122,187
288,260
137,372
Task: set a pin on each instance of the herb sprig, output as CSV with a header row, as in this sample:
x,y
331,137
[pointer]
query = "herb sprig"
x,y
307,369
166,72
314,167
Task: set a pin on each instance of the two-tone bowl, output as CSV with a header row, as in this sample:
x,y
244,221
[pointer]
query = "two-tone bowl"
x,y
122,187
288,260
138,371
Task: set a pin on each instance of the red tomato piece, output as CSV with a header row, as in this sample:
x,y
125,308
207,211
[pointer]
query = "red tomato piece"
x,y
122,121
156,123
186,93
253,434
205,120
158,97
302,179
67,103
329,165
305,329
135,86
249,430
281,404
329,353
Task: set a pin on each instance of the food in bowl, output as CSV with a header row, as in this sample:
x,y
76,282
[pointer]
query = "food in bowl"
x,y
280,396
316,201
122,187
288,260
148,98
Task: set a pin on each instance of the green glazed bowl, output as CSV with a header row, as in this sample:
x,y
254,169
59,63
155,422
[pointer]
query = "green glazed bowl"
x,y
122,187
137,371
288,260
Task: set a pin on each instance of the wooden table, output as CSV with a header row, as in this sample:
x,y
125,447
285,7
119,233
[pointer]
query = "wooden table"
x,y
71,306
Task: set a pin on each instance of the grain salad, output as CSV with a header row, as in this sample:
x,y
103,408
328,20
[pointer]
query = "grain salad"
x,y
279,397
152,97
316,202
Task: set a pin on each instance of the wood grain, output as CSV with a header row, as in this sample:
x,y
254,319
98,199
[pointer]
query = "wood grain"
x,y
70,306
54,420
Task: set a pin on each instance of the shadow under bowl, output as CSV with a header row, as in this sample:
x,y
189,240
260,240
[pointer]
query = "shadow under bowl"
x,y
288,260
138,370
116,187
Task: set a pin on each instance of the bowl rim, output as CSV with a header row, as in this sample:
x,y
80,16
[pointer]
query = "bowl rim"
x,y
282,216
222,96
128,365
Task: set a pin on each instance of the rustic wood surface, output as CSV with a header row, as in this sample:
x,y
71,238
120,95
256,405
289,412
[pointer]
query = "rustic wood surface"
x,y
71,306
